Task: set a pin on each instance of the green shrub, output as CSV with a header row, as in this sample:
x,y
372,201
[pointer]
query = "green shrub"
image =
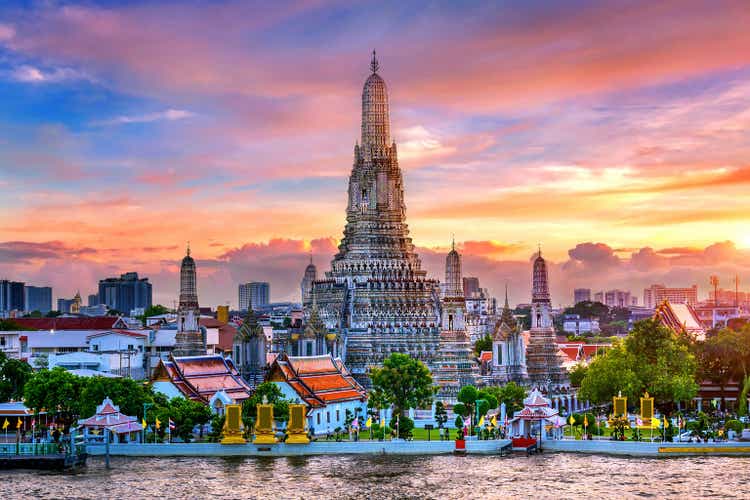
x,y
405,426
734,425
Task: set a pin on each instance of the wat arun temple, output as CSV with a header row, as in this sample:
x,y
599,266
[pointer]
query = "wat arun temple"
x,y
376,297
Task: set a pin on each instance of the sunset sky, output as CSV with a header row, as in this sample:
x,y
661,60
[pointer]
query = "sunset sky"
x,y
616,134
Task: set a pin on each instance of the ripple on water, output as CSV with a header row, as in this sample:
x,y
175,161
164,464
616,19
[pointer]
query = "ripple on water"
x,y
542,476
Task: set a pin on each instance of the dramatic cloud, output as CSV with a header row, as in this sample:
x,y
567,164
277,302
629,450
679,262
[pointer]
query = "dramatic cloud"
x,y
168,115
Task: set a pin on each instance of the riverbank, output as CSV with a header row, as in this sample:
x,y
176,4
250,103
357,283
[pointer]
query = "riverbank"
x,y
422,448
494,447
644,449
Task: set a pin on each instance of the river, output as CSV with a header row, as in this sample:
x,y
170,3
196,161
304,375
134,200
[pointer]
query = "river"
x,y
543,476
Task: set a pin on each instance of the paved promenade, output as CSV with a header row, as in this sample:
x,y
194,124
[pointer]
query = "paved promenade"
x,y
316,448
643,449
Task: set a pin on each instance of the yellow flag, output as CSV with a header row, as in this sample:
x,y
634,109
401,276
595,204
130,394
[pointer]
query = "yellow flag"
x,y
143,423
19,423
382,423
666,424
585,420
368,424
494,421
481,421
571,420
158,424
6,424
654,423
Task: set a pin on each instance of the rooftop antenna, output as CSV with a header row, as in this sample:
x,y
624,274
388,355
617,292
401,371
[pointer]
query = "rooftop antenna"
x,y
374,63
453,241
188,249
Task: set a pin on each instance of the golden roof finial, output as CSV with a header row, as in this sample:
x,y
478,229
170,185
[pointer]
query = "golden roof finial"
x,y
374,66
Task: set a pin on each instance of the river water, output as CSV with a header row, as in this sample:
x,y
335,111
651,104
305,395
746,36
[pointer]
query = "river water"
x,y
542,476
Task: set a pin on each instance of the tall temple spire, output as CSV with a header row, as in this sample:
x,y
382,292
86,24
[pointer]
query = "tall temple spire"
x,y
507,306
376,128
189,339
374,66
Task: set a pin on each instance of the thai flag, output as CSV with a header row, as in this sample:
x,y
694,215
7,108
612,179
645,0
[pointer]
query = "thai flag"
x,y
171,425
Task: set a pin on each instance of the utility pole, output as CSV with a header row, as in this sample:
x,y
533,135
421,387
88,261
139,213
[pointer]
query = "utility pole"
x,y
736,290
714,280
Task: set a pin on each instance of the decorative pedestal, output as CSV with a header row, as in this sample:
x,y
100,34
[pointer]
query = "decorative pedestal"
x,y
264,431
232,431
297,430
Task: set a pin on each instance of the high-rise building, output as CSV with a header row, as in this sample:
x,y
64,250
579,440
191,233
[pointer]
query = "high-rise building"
x,y
658,293
543,363
12,296
38,298
256,293
189,339
581,295
125,293
617,298
377,293
311,274
93,299
64,305
599,297
471,286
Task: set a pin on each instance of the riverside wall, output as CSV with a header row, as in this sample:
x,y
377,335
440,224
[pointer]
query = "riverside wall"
x,y
643,449
284,450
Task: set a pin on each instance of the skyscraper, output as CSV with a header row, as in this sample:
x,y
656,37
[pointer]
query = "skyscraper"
x,y
11,296
256,293
38,298
189,338
581,295
377,293
125,293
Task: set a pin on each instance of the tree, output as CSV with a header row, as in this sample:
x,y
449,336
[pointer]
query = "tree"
x,y
589,309
651,359
577,374
441,415
273,396
53,314
405,381
14,374
717,359
185,414
56,390
483,344
511,394
126,393
155,310
8,325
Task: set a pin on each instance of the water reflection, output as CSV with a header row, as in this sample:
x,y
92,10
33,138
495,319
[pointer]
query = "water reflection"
x,y
543,476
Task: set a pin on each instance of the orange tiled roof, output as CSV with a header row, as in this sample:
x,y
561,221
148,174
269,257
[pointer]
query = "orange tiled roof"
x,y
318,380
200,377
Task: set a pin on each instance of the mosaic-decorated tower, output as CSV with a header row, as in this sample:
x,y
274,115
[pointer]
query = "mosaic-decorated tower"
x,y
376,294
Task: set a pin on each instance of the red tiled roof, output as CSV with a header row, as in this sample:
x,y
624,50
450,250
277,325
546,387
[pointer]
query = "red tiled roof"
x,y
226,337
93,323
211,322
485,356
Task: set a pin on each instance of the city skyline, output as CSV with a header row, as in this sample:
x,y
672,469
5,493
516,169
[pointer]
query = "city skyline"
x,y
622,155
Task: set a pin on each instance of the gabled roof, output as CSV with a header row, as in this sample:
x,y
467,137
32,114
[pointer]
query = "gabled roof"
x,y
82,323
680,318
485,356
318,380
200,377
126,333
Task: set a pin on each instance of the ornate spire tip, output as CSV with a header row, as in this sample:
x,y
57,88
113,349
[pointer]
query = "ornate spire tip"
x,y
374,63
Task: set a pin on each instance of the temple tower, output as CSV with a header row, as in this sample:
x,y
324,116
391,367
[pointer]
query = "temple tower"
x,y
543,362
508,349
376,294
189,339
249,348
454,365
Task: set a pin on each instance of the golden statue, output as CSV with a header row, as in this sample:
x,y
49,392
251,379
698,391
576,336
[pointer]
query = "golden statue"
x,y
232,431
264,426
297,428
620,404
647,409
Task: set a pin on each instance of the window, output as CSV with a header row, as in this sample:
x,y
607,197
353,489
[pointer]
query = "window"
x,y
131,347
95,347
328,417
2,341
318,418
338,415
309,348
